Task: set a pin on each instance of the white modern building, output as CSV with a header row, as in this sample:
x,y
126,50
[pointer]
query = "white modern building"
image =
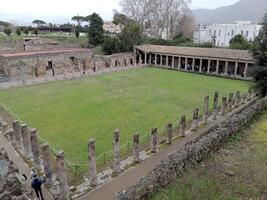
x,y
221,34
112,28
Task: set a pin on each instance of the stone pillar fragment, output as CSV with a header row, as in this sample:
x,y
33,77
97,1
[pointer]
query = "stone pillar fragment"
x,y
61,176
169,134
26,140
136,150
249,95
11,134
92,163
224,105
154,140
182,126
116,149
161,60
215,106
17,133
35,149
172,61
45,152
231,101
206,110
195,120
237,98
145,59
236,69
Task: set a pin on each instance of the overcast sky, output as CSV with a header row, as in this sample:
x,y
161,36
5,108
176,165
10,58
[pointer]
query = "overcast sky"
x,y
54,10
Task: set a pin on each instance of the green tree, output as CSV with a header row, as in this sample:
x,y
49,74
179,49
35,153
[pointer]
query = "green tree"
x,y
26,31
121,20
35,31
111,45
130,36
95,30
18,31
259,72
8,31
78,19
77,32
239,42
38,22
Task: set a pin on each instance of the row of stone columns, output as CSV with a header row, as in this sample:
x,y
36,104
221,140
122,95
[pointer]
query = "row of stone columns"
x,y
193,63
25,141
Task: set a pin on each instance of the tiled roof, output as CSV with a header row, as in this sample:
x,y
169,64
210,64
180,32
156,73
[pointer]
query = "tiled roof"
x,y
216,53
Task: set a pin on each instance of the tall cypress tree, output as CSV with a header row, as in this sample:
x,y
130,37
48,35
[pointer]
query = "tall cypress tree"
x,y
259,73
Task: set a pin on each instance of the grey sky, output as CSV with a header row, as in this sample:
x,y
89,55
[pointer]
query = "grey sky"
x,y
59,10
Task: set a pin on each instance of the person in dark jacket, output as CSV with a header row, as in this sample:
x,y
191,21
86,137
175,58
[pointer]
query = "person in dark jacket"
x,y
36,185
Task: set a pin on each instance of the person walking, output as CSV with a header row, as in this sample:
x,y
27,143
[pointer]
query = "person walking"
x,y
37,186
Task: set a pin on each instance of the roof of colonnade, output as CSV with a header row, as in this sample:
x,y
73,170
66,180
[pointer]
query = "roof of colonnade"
x,y
212,53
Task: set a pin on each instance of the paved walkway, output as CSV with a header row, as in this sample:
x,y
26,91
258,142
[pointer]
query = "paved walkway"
x,y
108,190
23,167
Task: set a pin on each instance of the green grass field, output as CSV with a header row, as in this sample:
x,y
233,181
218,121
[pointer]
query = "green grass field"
x,y
68,113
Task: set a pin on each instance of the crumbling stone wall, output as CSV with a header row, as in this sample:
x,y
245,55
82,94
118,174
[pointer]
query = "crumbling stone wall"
x,y
194,152
12,184
37,65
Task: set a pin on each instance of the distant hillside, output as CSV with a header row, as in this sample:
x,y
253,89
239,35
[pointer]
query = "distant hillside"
x,y
244,10
5,24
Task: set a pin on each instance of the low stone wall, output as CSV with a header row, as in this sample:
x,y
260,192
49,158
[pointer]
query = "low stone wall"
x,y
194,152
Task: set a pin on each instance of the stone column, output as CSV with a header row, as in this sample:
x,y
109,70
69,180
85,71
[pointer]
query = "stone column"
x,y
206,110
237,98
156,59
12,136
116,149
167,61
179,63
224,106
186,63
35,149
61,176
26,140
145,59
136,150
173,62
236,68
92,163
161,58
249,95
193,64
246,71
200,65
169,134
154,140
135,54
182,126
45,151
150,59
140,59
230,101
226,68
17,133
208,71
215,106
217,67
195,120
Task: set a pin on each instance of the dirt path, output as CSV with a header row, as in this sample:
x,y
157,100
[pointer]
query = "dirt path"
x,y
130,177
22,166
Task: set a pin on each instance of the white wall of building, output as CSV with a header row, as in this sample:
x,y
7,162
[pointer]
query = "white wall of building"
x,y
221,34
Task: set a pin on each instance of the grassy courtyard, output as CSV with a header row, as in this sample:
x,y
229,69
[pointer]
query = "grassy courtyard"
x,y
68,113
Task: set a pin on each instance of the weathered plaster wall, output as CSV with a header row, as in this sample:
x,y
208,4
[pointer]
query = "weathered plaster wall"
x,y
172,167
